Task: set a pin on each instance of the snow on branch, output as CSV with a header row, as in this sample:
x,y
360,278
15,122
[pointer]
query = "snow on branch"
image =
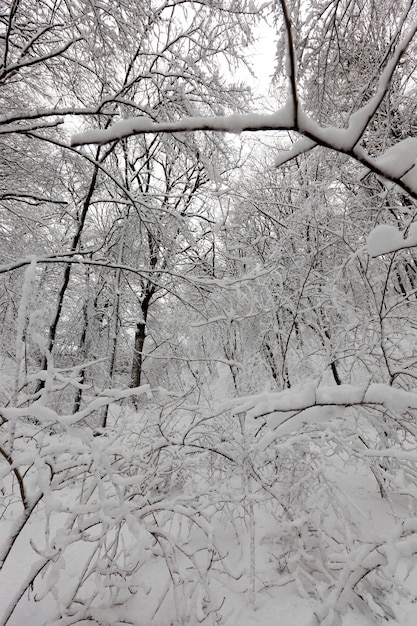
x,y
365,559
16,128
46,415
386,238
359,120
397,164
18,116
288,410
62,257
26,62
301,146
342,140
281,120
291,60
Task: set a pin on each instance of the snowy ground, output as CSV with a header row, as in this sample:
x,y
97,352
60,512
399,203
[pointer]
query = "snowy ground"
x,y
279,598
175,537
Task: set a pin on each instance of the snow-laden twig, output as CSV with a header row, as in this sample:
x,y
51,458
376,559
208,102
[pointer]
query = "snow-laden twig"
x,y
35,60
291,117
366,559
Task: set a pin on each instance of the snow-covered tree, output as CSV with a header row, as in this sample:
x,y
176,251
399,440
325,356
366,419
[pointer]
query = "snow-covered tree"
x,y
207,372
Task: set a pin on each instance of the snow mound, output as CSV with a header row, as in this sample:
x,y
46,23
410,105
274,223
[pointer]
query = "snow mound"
x,y
386,238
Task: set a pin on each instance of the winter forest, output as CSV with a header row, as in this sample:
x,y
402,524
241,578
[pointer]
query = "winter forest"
x,y
208,312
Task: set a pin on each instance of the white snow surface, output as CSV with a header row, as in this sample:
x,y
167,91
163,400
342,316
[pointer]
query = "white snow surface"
x,y
381,539
386,238
399,159
236,123
296,399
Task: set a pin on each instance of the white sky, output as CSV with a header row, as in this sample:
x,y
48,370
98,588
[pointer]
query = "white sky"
x,y
261,56
264,57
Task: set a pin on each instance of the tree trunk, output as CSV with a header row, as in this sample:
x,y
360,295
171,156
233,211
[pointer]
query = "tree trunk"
x,y
67,272
83,350
115,320
140,336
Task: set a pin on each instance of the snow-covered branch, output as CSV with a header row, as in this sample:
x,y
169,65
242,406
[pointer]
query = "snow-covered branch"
x,y
291,118
289,409
25,115
237,123
291,65
338,139
26,128
46,415
27,62
386,238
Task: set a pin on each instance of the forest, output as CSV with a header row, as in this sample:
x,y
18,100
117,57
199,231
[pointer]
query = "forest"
x,y
208,312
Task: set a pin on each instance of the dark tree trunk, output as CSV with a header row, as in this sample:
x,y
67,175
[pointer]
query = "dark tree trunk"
x,y
83,350
140,336
67,272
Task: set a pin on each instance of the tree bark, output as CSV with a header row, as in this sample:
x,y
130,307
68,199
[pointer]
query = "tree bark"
x,y
140,336
67,272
